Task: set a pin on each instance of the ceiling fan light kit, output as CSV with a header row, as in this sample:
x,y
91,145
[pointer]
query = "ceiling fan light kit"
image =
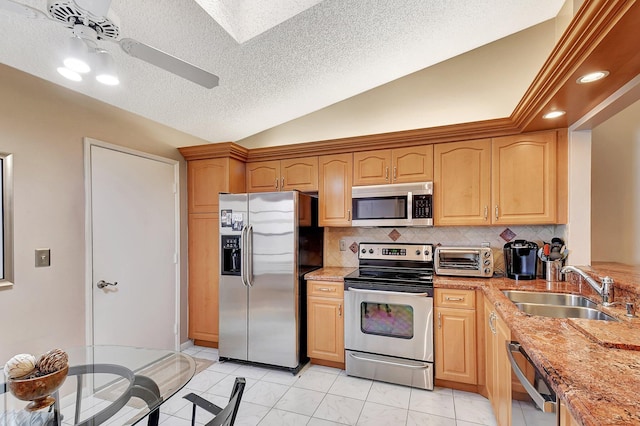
x,y
93,21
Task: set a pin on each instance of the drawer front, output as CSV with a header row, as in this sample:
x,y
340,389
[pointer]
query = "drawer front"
x,y
330,289
450,298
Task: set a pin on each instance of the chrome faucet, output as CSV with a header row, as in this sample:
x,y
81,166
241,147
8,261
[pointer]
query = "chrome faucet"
x,y
605,289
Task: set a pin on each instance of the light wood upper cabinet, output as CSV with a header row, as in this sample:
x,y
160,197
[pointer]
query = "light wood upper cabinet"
x,y
402,165
325,321
283,175
263,176
299,173
524,177
334,189
207,178
413,164
462,183
372,167
455,336
512,180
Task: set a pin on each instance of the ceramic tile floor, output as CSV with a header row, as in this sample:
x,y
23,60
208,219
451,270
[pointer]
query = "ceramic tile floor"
x,y
322,396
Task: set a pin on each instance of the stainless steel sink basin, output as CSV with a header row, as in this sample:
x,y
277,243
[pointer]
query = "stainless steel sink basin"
x,y
556,311
556,299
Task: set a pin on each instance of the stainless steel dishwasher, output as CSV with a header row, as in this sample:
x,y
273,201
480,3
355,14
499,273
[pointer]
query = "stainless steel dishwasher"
x,y
543,396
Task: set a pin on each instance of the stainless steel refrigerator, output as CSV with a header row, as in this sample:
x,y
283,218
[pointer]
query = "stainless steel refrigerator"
x,y
268,241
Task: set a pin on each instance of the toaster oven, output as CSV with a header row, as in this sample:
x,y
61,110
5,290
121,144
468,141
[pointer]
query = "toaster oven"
x,y
464,261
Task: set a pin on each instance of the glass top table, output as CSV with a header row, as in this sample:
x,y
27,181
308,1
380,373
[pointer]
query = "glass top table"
x,y
116,384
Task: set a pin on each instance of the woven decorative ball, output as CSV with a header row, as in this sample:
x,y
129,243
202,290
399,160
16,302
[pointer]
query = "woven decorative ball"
x,y
52,361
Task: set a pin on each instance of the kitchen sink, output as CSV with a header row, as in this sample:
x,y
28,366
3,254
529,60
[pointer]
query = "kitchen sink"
x,y
556,305
556,299
556,311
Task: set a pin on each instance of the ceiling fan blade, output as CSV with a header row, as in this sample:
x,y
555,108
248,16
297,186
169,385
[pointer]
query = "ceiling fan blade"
x,y
170,63
22,9
95,7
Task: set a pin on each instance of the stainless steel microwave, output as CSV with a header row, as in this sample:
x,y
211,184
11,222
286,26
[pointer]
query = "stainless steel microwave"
x,y
401,204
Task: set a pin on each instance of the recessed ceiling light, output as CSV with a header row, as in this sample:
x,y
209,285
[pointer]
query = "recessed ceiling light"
x,y
69,74
592,76
554,114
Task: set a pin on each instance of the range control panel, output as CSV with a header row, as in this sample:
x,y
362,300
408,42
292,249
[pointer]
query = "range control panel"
x,y
400,251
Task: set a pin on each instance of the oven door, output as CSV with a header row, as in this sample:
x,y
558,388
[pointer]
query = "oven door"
x,y
389,323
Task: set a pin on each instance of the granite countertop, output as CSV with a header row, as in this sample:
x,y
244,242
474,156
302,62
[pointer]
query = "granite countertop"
x,y
594,366
329,273
590,364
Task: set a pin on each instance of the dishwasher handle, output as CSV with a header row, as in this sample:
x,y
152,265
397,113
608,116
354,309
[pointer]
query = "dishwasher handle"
x,y
546,403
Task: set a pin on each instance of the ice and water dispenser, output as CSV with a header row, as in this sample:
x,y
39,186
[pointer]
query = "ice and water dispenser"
x,y
231,255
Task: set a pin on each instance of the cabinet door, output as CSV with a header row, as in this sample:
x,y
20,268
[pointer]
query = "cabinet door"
x,y
325,325
489,344
565,417
371,167
462,183
299,173
263,176
524,173
414,164
456,345
204,258
206,178
334,189
502,368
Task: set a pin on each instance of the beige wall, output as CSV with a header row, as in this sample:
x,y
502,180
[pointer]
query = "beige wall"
x,y
615,188
485,83
43,125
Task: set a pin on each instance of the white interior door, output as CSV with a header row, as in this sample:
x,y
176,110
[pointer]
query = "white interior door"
x,y
133,238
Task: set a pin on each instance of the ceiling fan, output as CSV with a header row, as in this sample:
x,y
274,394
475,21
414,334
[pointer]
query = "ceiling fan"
x,y
92,21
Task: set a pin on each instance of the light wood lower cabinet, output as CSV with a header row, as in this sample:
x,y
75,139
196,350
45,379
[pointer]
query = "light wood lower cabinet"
x,y
325,321
455,336
204,260
566,419
498,368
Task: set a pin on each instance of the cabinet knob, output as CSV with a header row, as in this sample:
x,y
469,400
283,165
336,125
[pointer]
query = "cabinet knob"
x,y
340,310
496,212
486,212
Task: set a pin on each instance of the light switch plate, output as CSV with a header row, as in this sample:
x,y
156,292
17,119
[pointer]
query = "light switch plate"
x,y
43,257
343,245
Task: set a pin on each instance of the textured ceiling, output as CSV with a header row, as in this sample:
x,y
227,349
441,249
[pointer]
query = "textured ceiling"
x,y
311,57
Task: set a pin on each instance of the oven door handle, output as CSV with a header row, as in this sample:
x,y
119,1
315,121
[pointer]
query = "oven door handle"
x,y
387,293
544,402
420,366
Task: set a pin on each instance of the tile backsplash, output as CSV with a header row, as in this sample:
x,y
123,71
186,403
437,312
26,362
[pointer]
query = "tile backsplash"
x,y
449,236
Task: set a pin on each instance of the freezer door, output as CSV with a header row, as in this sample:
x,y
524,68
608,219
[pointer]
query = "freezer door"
x,y
233,293
273,291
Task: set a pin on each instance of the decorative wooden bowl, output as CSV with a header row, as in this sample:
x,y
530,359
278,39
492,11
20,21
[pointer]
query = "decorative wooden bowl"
x,y
38,390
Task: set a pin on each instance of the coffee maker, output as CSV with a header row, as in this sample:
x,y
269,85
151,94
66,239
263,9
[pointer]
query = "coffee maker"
x,y
520,259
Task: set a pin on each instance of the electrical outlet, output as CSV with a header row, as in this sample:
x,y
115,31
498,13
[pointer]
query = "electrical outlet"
x,y
343,245
43,257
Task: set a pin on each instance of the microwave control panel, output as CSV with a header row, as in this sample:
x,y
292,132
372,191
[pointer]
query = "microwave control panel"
x,y
422,206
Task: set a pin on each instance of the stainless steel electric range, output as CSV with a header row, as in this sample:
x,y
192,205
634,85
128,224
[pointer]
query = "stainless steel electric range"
x,y
389,314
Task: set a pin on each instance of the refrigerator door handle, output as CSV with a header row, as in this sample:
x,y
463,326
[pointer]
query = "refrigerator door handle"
x,y
243,267
249,255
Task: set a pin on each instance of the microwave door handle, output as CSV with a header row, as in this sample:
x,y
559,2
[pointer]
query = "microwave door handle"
x,y
453,250
388,293
410,206
545,404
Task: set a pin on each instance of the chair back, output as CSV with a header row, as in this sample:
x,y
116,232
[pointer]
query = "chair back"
x,y
227,416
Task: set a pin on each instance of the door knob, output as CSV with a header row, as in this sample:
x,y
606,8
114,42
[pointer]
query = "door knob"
x,y
103,284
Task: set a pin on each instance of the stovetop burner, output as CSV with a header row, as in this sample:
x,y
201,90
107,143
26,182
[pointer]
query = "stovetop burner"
x,y
393,267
